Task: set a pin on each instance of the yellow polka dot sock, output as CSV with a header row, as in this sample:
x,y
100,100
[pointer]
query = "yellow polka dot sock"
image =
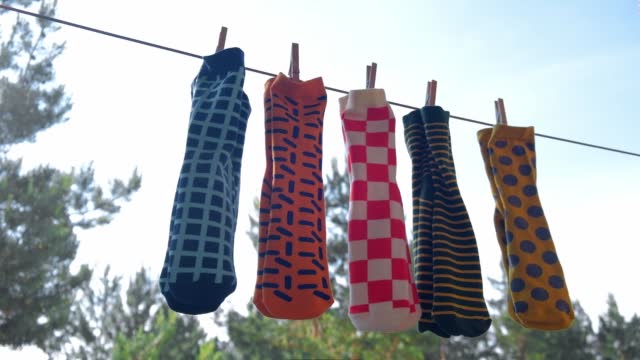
x,y
536,280
498,218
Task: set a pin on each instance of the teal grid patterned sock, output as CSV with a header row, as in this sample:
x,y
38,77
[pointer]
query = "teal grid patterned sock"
x,y
199,272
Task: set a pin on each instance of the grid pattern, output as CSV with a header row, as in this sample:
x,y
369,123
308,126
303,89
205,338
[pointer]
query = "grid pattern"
x,y
379,260
204,214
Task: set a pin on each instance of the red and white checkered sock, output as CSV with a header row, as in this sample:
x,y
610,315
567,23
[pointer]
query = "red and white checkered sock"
x,y
383,295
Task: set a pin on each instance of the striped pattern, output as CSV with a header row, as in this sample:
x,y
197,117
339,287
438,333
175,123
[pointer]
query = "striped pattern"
x,y
459,306
198,273
422,196
295,276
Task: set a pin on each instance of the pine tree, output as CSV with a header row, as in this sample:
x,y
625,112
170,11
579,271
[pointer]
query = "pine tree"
x,y
617,338
332,335
41,207
141,327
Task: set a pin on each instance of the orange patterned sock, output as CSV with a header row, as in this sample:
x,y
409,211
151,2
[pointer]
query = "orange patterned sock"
x,y
296,282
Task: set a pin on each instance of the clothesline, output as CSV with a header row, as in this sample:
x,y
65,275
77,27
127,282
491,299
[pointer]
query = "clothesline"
x,y
262,72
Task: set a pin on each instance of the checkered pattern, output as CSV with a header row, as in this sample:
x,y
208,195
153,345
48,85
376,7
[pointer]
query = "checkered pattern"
x,y
199,271
381,282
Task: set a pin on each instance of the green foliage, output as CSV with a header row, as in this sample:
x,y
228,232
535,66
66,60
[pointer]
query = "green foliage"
x,y
208,351
41,207
44,304
140,327
327,337
617,338
332,336
518,342
30,101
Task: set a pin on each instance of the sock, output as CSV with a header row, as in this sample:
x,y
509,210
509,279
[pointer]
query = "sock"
x,y
498,214
459,307
265,201
200,272
383,295
174,303
296,283
536,279
422,193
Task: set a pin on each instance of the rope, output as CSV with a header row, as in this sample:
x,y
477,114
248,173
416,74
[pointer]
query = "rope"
x,y
257,71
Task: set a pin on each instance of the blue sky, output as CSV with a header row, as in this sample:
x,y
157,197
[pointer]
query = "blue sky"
x,y
568,68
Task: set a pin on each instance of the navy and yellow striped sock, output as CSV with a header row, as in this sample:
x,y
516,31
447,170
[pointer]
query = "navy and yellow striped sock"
x,y
458,305
422,194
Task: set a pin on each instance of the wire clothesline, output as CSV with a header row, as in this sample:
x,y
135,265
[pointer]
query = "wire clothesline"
x,y
262,72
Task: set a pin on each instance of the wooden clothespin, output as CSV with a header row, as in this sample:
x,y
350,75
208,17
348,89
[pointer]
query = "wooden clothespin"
x,y
431,93
501,114
371,75
294,65
222,39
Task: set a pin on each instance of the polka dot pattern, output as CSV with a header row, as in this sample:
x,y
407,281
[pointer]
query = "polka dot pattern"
x,y
510,180
518,150
505,160
525,170
540,294
535,211
521,307
543,233
514,260
531,147
533,270
556,282
515,201
521,223
528,246
530,190
535,277
563,306
550,257
501,144
509,237
517,285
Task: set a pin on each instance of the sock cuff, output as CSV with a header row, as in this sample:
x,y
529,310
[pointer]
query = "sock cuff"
x,y
220,63
286,86
513,132
343,103
268,84
484,135
434,114
359,102
412,118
